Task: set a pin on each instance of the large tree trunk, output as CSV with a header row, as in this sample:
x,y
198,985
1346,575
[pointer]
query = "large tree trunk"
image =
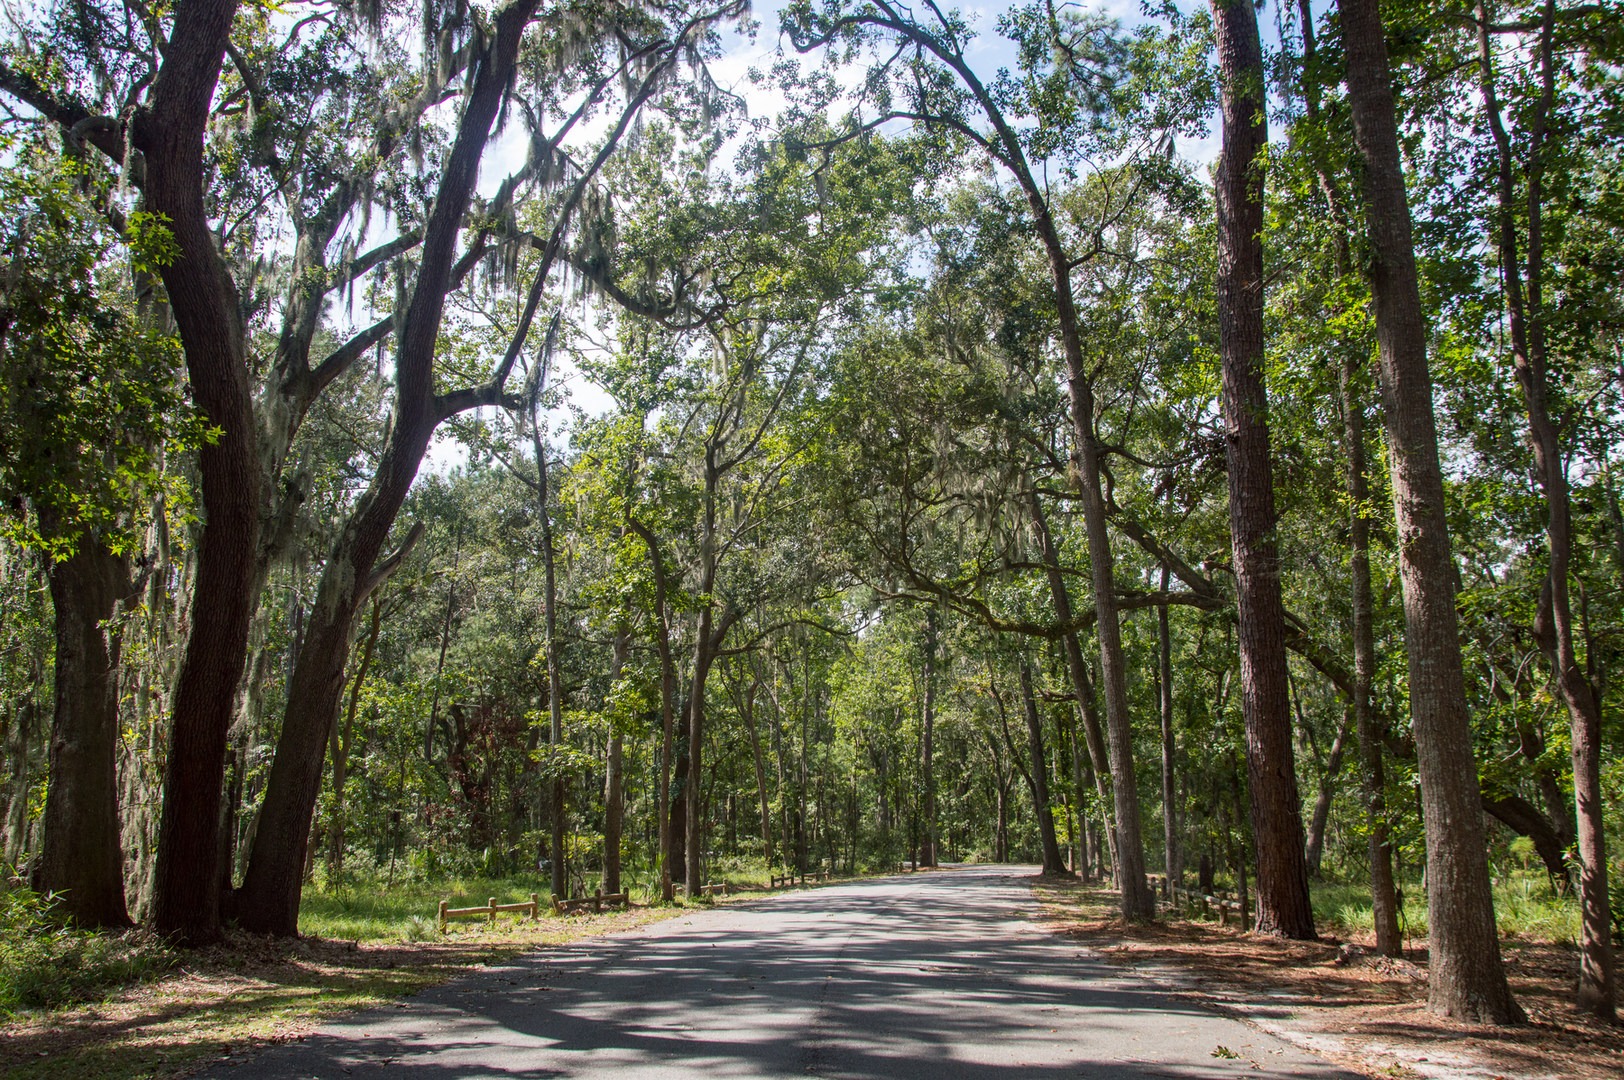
x,y
1467,976
81,857
203,299
269,899
1283,907
1531,363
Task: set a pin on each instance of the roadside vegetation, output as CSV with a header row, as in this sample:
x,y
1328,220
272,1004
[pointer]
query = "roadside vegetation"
x,y
453,449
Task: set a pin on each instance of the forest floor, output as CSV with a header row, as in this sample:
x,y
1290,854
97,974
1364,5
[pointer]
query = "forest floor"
x,y
250,991
1367,1012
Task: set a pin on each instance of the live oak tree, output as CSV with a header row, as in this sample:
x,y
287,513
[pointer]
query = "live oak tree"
x,y
269,897
90,412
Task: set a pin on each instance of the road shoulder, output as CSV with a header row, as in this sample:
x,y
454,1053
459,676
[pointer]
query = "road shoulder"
x,y
1361,1011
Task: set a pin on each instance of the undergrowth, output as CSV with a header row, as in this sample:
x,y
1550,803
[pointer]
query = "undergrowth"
x,y
372,911
1525,906
44,964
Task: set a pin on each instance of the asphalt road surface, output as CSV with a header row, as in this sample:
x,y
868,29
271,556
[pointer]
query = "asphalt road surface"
x,y
928,977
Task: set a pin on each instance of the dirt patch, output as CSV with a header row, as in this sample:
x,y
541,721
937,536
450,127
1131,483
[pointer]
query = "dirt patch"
x,y
1365,1012
237,997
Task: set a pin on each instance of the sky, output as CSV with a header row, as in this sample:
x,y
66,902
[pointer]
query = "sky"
x,y
741,53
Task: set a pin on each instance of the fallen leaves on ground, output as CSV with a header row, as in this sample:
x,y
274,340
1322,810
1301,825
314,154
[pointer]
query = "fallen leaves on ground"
x,y
1365,1011
250,991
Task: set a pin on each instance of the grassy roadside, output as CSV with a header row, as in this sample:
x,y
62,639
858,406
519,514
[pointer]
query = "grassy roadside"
x,y
249,991
154,1013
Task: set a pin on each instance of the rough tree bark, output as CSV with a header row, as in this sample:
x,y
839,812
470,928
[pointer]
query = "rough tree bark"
x,y
1467,975
169,133
1367,725
269,898
81,858
1283,907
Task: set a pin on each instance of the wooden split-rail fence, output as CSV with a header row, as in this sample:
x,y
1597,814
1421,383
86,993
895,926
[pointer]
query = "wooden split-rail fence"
x,y
489,910
790,881
1216,902
595,902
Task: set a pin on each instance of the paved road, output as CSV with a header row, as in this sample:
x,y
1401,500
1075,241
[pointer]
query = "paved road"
x,y
933,977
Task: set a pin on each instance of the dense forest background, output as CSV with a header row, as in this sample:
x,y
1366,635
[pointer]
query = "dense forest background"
x,y
450,439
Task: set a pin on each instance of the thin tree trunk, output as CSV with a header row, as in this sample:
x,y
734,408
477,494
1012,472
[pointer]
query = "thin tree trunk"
x,y
1173,856
81,856
668,708
1467,976
614,796
1383,889
758,759
1037,778
339,747
559,880
927,750
445,643
1276,808
1329,775
1076,667
1531,363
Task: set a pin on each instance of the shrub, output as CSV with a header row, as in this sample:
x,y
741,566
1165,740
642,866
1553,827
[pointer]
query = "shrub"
x,y
46,965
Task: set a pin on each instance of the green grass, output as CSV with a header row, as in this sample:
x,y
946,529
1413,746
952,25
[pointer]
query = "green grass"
x,y
1524,905
373,912
45,965
246,990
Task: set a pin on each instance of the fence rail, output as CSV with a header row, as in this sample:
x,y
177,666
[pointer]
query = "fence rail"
x,y
596,902
789,881
1216,902
488,910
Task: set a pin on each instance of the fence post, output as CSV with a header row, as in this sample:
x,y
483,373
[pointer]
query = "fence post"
x,y
597,901
443,905
535,907
491,904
